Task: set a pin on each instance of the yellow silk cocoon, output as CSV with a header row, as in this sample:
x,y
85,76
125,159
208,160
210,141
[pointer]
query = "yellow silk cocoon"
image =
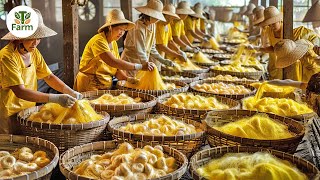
x,y
259,126
121,99
244,166
184,66
80,112
265,87
201,58
211,44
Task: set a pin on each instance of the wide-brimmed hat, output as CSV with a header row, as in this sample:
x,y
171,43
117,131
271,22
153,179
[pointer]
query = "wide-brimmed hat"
x,y
170,10
198,13
184,8
288,51
153,9
41,32
271,16
312,14
250,8
242,10
197,5
116,16
258,15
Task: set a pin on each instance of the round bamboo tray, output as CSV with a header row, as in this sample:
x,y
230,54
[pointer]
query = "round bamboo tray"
x,y
212,51
205,76
203,70
218,138
64,136
187,144
148,101
223,56
183,88
206,64
12,142
232,96
203,157
74,156
251,75
190,76
193,114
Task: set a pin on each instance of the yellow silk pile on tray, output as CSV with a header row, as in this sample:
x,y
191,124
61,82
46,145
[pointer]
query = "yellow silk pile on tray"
x,y
265,87
150,80
121,99
191,101
244,166
184,66
227,78
201,58
234,67
161,126
211,44
222,88
80,112
175,77
259,126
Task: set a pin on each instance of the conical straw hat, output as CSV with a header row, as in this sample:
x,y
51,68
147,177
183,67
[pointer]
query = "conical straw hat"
x,y
197,5
258,15
153,9
313,13
250,8
170,10
116,16
243,9
184,8
198,13
271,16
41,32
288,51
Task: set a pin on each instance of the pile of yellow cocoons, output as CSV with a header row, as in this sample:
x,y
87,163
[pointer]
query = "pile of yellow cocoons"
x,y
80,112
201,58
227,77
259,126
184,66
128,162
273,88
222,88
234,68
121,99
151,80
175,77
243,166
160,126
20,162
279,106
191,101
211,44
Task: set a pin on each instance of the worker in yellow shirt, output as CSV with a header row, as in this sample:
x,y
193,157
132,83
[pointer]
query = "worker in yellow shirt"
x,y
164,41
101,60
192,32
273,28
258,17
178,31
139,45
200,23
289,52
21,65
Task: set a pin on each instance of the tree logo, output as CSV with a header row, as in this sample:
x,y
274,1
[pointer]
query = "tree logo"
x,y
22,21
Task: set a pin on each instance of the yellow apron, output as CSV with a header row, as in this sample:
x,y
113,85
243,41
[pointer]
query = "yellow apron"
x,y
12,104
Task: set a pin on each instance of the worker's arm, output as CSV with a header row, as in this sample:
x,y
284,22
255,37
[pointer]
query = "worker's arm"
x,y
29,95
173,45
195,35
168,51
179,41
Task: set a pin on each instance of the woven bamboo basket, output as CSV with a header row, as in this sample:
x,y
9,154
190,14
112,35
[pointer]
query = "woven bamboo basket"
x,y
12,142
74,156
202,70
212,51
193,114
187,144
190,76
223,56
232,96
183,88
203,157
148,101
218,138
205,76
64,136
251,75
214,62
231,49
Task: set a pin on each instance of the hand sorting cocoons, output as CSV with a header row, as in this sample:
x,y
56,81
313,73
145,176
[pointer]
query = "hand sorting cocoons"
x,y
128,162
80,112
242,166
121,99
161,126
222,88
21,161
191,101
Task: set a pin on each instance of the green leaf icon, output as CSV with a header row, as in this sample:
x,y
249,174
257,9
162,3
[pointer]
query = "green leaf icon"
x,y
17,15
27,16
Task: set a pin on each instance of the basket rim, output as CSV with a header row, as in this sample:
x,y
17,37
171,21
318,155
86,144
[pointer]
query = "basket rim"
x,y
198,111
212,51
43,125
150,100
234,96
257,73
141,118
92,147
244,149
191,76
205,76
34,141
211,130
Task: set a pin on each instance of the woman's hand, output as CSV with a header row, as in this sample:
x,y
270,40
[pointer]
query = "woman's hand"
x,y
148,66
